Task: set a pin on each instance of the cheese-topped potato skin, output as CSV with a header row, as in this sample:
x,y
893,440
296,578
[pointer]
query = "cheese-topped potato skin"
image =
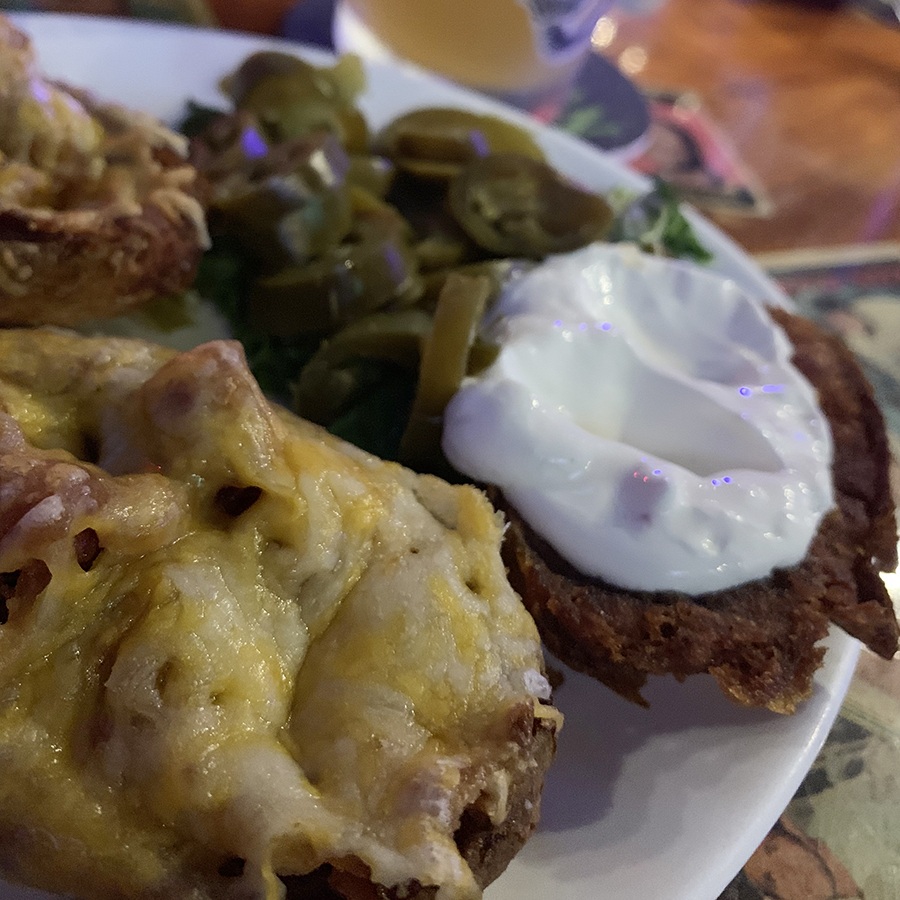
x,y
99,209
236,648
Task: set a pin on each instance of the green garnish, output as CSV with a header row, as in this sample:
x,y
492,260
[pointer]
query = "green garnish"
x,y
654,221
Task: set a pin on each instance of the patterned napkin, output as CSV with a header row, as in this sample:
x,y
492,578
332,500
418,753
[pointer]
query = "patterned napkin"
x,y
846,807
790,865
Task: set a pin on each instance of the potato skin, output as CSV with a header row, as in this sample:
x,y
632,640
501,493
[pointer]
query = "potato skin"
x,y
759,640
62,270
99,208
71,414
488,849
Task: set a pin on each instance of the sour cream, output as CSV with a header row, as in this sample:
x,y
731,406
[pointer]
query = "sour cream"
x,y
644,417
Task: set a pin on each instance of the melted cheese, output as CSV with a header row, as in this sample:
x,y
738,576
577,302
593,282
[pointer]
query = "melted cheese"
x,y
328,675
65,154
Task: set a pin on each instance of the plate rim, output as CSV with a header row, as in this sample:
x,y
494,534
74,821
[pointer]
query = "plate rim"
x,y
843,651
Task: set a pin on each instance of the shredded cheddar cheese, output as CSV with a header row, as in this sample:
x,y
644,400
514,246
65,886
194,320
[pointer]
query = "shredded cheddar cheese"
x,y
252,642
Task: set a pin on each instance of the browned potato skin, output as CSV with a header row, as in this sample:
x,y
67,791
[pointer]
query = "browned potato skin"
x,y
99,209
488,849
759,640
65,274
52,363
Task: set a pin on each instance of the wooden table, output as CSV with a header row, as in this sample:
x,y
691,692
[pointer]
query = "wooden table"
x,y
808,93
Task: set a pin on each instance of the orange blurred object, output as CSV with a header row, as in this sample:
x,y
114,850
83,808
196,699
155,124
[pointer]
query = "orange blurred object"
x,y
264,16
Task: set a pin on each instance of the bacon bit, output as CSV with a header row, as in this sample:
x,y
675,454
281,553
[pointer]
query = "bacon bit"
x,y
180,398
33,578
521,723
87,548
235,500
233,867
90,449
8,581
22,585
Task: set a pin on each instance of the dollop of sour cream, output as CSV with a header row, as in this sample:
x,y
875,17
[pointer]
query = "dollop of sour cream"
x,y
644,417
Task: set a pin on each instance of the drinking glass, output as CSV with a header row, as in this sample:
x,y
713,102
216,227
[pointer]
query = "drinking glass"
x,y
523,51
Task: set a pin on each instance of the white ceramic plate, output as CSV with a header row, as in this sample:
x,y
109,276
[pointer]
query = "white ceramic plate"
x,y
665,804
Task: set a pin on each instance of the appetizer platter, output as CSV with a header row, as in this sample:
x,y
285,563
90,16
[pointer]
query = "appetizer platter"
x,y
667,800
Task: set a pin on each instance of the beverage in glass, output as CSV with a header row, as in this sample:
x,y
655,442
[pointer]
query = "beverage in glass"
x,y
522,50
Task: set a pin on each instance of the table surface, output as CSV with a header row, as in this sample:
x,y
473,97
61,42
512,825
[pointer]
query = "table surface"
x,y
809,93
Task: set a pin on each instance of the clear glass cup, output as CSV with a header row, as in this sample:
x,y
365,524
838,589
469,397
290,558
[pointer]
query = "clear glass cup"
x,y
525,51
